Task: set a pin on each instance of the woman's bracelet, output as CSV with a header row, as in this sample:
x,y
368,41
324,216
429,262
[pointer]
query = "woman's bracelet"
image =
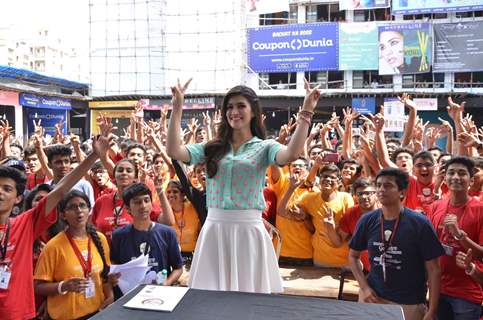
x,y
59,288
305,118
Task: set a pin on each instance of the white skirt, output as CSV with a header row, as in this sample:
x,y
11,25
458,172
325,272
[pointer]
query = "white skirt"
x,y
234,253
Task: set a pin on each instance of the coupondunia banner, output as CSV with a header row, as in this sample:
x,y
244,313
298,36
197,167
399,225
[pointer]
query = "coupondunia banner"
x,y
434,6
358,44
404,48
458,47
362,4
293,47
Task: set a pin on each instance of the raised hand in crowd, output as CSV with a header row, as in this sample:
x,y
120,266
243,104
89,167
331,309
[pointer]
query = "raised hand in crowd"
x,y
411,105
433,134
208,123
455,111
447,128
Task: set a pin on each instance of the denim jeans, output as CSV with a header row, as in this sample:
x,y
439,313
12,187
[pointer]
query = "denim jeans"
x,y
451,308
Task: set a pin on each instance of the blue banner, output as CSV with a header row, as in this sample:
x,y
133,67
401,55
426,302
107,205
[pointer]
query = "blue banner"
x,y
293,48
434,6
48,120
46,102
364,105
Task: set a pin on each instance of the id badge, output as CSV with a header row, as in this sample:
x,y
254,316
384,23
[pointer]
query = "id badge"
x,y
91,289
448,250
5,275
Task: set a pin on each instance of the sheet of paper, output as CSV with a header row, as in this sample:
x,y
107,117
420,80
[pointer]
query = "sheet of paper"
x,y
132,273
157,298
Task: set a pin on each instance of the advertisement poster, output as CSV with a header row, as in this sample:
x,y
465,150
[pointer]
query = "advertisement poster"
x,y
404,48
364,105
426,104
293,48
48,119
394,118
362,4
434,6
458,47
358,46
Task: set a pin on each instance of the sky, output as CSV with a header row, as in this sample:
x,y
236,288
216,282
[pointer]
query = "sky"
x,y
69,18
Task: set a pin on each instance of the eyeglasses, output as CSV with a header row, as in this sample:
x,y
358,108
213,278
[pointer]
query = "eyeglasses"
x,y
301,165
365,193
424,165
81,206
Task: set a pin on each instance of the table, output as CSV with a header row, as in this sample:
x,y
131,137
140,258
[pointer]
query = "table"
x,y
223,305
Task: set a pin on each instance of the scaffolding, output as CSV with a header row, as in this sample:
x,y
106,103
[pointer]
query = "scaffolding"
x,y
144,46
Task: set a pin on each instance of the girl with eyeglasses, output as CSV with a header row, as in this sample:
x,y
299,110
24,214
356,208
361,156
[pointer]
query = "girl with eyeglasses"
x,y
72,270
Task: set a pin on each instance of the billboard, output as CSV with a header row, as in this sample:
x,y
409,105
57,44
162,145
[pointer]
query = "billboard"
x,y
48,119
434,6
293,47
458,47
364,105
404,48
358,46
362,4
394,118
46,102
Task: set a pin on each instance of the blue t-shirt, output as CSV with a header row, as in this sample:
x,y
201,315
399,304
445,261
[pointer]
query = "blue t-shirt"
x,y
414,243
160,242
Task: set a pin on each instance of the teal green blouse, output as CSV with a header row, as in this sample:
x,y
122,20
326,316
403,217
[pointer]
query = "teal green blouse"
x,y
240,179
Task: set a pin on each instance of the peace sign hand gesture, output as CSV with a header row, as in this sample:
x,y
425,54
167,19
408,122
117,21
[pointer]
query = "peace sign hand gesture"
x,y
178,92
312,96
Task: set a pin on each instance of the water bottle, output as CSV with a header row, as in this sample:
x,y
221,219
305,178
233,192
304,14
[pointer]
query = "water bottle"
x,y
162,276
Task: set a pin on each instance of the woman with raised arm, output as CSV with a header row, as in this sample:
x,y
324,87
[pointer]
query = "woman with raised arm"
x,y
233,242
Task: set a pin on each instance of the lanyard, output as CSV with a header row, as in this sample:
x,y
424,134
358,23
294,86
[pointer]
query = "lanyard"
x,y
117,213
387,244
4,242
86,265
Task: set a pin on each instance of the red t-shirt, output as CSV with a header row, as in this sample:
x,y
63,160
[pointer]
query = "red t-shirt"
x,y
100,191
454,281
270,212
34,179
103,215
348,224
419,196
17,302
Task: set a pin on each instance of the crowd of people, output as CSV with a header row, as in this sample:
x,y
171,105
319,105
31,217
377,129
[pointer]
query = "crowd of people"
x,y
405,215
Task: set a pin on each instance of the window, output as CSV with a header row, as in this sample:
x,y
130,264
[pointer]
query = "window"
x,y
381,14
278,81
423,80
468,79
370,80
324,13
274,18
317,77
336,79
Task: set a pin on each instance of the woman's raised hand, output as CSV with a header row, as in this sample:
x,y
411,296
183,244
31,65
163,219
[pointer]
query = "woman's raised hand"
x,y
312,96
178,92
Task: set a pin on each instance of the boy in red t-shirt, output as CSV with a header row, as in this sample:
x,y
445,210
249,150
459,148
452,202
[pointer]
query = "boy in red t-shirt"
x,y
17,235
458,220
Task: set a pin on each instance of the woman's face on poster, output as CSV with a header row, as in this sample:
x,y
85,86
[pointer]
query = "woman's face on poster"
x,y
391,48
